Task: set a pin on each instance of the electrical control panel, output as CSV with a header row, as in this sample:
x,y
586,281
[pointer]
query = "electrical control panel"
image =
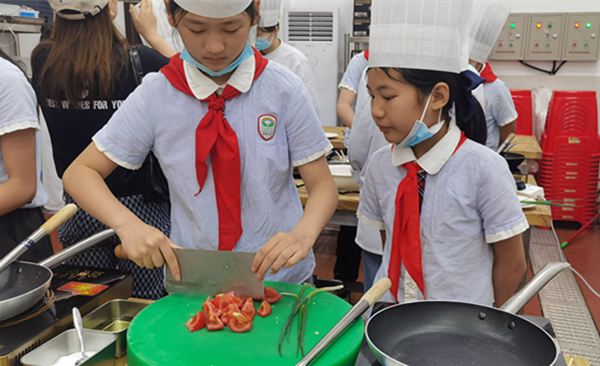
x,y
545,37
549,37
510,43
582,32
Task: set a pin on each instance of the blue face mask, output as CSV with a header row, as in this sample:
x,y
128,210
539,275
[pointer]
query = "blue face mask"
x,y
247,53
263,43
420,132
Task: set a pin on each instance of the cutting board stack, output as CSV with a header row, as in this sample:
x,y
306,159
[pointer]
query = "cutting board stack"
x,y
571,155
524,107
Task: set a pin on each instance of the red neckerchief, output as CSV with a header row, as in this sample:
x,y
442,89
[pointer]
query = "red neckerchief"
x,y
488,74
215,136
406,238
367,54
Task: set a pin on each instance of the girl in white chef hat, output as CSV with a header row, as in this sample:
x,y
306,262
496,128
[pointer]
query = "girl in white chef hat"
x,y
447,205
228,127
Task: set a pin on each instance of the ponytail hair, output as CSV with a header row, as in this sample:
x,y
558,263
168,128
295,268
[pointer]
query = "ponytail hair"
x,y
469,116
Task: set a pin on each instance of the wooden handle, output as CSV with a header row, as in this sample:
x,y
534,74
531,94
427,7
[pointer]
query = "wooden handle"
x,y
59,218
510,137
375,292
120,252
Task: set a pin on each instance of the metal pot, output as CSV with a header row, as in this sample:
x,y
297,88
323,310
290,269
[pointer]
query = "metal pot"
x,y
23,284
456,333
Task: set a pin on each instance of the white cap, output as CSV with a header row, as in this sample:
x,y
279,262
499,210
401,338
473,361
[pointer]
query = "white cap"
x,y
488,19
420,34
270,12
77,9
217,9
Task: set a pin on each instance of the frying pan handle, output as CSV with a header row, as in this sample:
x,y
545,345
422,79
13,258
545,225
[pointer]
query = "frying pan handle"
x,y
540,280
59,218
120,252
368,299
55,221
77,248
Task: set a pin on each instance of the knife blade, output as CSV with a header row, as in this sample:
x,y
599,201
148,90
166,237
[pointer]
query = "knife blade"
x,y
211,272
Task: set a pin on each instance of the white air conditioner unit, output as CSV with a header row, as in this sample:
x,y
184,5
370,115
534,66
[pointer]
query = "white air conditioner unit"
x,y
316,34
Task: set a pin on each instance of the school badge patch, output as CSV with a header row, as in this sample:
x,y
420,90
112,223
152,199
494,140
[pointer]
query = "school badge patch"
x,y
267,125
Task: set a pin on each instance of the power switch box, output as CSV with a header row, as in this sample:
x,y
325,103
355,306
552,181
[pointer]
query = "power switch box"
x,y
511,42
546,37
582,32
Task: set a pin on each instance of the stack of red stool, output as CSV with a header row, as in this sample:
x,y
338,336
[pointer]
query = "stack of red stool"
x,y
523,105
571,155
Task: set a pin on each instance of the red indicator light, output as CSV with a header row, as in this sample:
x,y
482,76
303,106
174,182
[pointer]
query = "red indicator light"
x,y
537,44
574,44
500,45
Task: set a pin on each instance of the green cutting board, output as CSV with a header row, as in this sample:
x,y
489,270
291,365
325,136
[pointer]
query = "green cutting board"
x,y
158,336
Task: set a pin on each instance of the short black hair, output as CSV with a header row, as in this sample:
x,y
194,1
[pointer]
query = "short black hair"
x,y
178,12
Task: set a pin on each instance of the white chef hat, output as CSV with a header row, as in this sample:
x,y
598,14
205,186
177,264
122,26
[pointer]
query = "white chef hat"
x,y
488,19
270,12
217,9
420,34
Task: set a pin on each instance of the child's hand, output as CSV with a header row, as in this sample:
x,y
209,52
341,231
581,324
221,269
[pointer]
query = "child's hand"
x,y
283,250
148,247
145,21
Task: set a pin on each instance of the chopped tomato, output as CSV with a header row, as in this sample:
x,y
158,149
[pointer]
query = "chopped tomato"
x,y
213,322
231,308
233,298
265,309
271,295
238,322
196,322
221,301
248,309
208,306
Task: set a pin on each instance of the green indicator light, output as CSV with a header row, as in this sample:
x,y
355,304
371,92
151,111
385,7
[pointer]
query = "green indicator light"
x,y
513,25
550,25
510,44
547,44
588,25
585,44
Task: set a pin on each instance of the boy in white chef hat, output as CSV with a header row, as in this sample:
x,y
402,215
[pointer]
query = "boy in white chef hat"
x,y
446,205
500,113
274,49
228,127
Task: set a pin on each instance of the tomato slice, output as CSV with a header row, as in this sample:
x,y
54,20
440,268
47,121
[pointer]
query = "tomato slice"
x,y
196,322
220,301
271,295
231,308
213,322
248,309
265,309
238,322
208,306
232,298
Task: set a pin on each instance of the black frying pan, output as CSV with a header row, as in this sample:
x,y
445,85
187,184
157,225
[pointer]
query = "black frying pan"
x,y
454,333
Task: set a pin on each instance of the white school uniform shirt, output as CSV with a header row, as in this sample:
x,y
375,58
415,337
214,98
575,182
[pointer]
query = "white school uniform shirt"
x,y
499,111
18,112
294,60
364,141
470,202
351,81
158,117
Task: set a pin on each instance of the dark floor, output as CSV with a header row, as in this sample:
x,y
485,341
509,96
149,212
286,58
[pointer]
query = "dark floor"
x,y
583,253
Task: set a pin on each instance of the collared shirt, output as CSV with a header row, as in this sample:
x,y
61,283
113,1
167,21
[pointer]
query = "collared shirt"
x,y
499,110
276,127
470,202
203,87
295,61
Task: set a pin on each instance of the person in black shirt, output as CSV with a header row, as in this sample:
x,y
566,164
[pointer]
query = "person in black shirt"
x,y
81,76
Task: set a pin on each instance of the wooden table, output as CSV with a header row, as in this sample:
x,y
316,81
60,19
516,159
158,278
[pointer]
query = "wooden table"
x,y
527,146
337,142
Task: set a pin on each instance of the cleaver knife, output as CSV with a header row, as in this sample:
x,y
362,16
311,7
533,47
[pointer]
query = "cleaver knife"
x,y
211,272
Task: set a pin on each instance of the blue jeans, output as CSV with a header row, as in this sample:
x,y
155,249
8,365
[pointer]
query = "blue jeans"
x,y
371,263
